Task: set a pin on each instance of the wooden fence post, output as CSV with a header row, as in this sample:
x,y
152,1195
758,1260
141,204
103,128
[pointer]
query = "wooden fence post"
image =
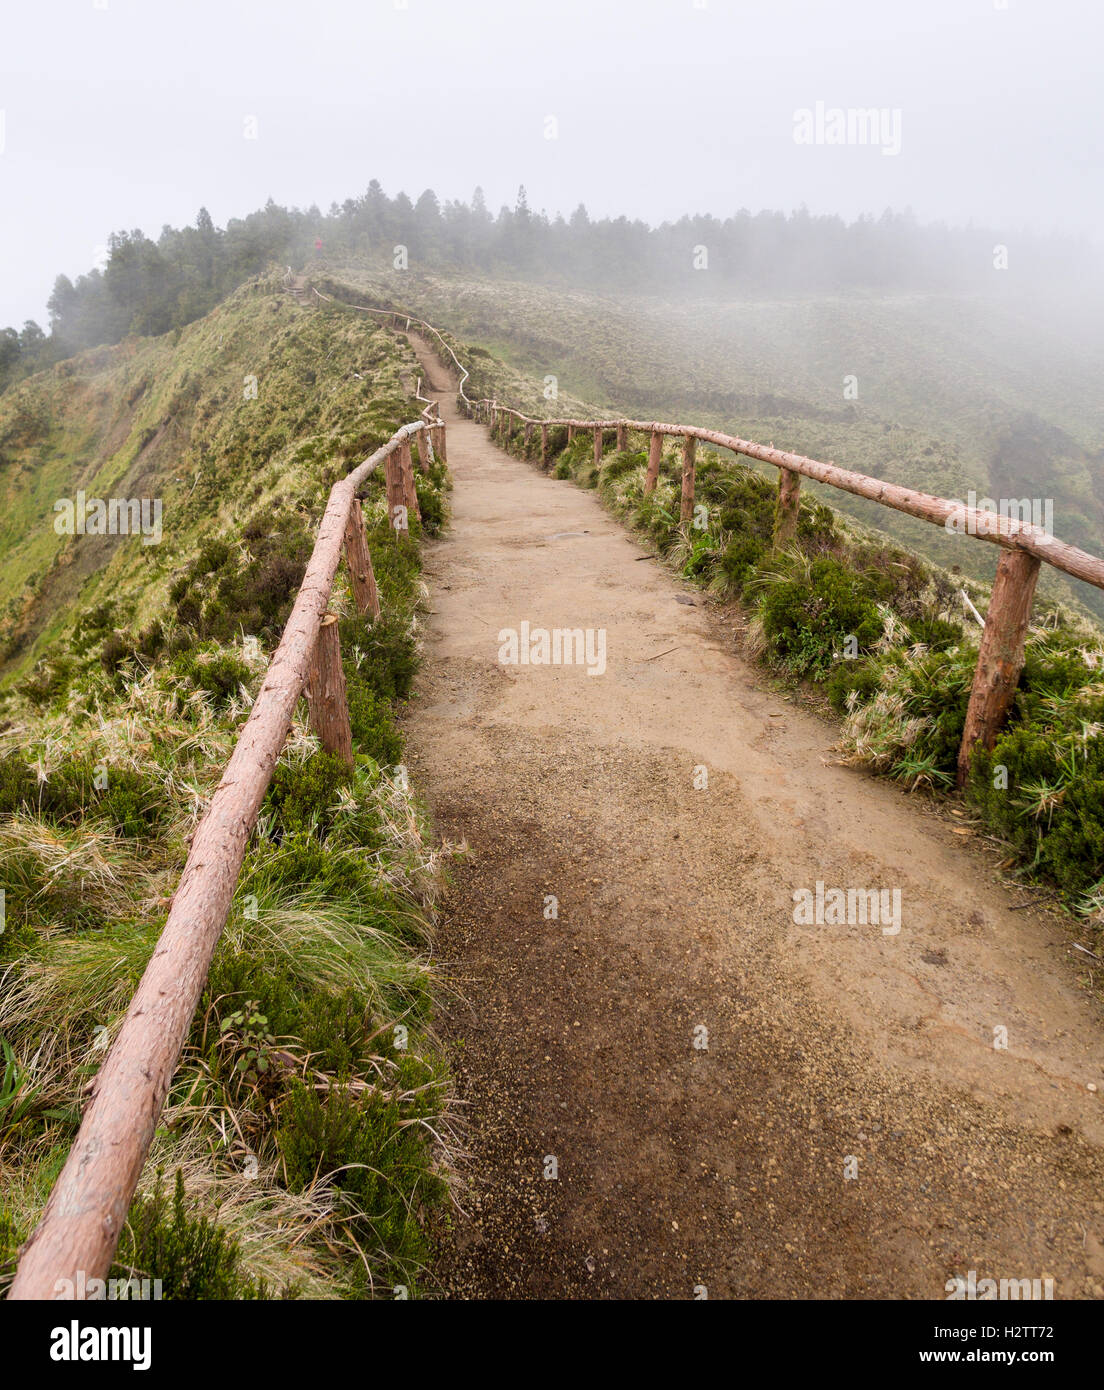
x,y
598,446
396,492
787,507
442,443
622,436
425,450
410,493
689,446
527,436
329,708
655,454
1000,655
544,446
362,581
570,433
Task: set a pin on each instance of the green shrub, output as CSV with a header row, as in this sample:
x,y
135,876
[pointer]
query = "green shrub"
x,y
935,689
739,558
193,1257
807,618
935,633
225,591
620,464
48,683
382,656
372,722
302,797
219,673
132,803
377,1160
858,677
1042,789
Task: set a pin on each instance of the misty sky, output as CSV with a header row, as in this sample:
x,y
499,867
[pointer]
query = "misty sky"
x,y
131,113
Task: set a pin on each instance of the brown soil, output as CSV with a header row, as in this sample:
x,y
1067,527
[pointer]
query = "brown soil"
x,y
682,1166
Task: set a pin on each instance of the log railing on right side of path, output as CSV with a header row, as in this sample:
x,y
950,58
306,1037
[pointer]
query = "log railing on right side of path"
x,y
1025,547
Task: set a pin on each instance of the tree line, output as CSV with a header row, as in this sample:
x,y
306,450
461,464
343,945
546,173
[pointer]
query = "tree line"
x,y
151,287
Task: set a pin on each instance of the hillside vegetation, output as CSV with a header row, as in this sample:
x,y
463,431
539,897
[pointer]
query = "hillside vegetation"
x,y
304,1147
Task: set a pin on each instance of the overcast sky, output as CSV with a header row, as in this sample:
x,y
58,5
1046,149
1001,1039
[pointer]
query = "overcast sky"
x,y
132,113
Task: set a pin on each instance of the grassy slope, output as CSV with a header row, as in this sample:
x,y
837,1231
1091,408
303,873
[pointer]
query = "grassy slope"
x,y
168,418
955,393
308,1121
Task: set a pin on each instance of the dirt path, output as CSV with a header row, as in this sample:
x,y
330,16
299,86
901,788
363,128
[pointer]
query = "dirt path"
x,y
727,1165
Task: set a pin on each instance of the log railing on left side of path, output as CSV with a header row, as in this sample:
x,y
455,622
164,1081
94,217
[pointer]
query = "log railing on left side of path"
x,y
84,1216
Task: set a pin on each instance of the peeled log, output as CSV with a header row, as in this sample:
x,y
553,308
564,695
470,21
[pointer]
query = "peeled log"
x,y
359,560
396,493
655,455
410,495
788,506
1001,654
689,447
329,708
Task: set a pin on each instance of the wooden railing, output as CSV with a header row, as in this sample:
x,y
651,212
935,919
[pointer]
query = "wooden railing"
x,y
1025,546
84,1216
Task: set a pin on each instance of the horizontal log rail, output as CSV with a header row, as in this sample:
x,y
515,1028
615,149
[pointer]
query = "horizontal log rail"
x,y
976,521
1025,546
82,1221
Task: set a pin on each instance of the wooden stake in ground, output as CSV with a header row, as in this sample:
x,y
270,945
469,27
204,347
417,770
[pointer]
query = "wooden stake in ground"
x,y
425,449
570,433
329,706
689,448
396,492
359,560
442,447
622,436
544,446
788,507
655,454
1001,654
598,446
410,495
